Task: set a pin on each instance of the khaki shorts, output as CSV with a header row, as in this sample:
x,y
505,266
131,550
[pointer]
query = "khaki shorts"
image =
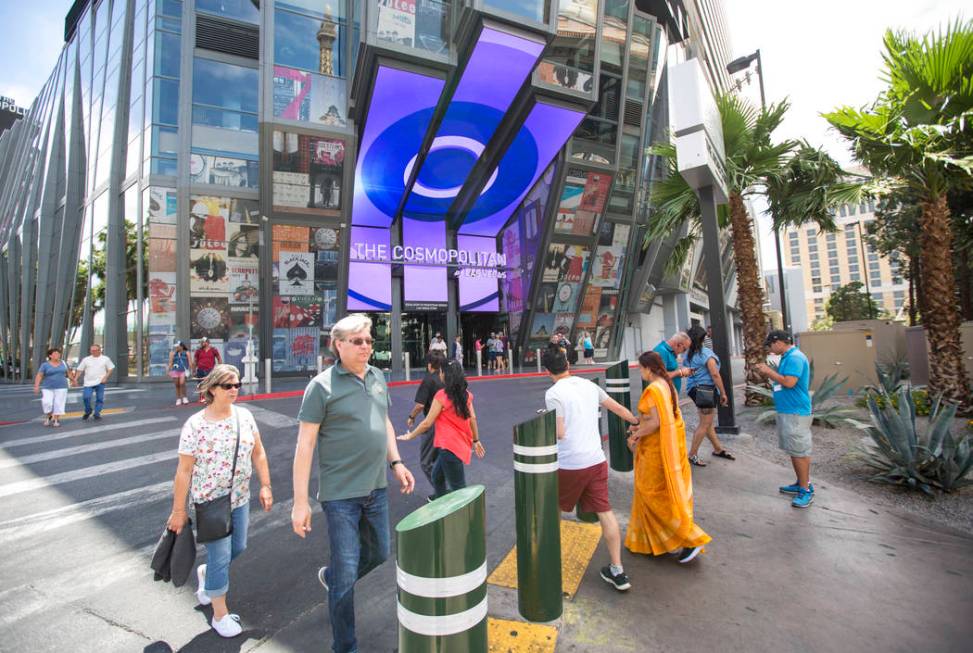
x,y
794,434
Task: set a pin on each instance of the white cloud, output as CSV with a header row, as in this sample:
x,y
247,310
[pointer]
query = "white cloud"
x,y
821,55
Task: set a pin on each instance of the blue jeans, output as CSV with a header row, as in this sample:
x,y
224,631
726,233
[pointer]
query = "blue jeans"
x,y
448,473
220,553
358,534
99,391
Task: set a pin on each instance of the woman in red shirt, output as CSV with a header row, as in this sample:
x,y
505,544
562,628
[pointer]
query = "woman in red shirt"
x,y
456,432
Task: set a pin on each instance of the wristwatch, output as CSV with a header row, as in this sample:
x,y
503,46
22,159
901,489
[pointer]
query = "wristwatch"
x,y
394,463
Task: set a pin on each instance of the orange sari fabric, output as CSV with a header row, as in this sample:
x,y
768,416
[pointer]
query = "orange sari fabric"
x,y
662,508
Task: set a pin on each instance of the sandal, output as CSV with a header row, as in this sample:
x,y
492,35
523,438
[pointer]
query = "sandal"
x,y
694,460
724,454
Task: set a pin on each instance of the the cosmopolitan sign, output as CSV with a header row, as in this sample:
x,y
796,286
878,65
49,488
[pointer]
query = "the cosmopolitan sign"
x,y
468,262
695,123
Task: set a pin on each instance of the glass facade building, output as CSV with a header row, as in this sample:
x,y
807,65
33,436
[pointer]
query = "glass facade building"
x,y
242,170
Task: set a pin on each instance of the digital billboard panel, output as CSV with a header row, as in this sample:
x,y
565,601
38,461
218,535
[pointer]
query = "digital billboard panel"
x,y
478,288
424,285
369,284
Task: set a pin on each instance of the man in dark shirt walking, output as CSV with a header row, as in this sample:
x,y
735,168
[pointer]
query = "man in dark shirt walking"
x,y
430,385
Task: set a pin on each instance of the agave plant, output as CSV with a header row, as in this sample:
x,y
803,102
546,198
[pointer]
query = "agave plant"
x,y
829,416
903,454
891,376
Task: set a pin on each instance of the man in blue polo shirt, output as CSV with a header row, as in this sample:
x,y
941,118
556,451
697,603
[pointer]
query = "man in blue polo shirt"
x,y
792,399
670,350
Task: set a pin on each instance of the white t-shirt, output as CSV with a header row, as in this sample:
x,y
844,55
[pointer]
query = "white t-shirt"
x,y
95,368
576,400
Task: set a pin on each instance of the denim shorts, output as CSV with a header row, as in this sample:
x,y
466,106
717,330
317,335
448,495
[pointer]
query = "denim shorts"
x,y
794,434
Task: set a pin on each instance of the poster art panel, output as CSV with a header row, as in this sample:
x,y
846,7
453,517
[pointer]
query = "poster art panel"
x,y
208,273
296,270
209,317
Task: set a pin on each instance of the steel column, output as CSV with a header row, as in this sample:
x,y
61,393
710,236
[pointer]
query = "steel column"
x,y
538,519
441,573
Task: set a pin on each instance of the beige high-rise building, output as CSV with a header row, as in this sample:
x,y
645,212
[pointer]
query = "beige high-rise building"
x,y
831,260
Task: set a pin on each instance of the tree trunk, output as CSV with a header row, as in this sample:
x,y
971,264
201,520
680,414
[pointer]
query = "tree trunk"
x,y
947,374
963,281
750,294
913,273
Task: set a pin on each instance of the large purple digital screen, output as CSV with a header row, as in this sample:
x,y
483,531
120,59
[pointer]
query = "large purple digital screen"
x,y
494,73
398,118
424,284
544,132
478,290
369,284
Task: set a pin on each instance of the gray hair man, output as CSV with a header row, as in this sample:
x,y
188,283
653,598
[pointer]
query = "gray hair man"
x,y
670,350
345,413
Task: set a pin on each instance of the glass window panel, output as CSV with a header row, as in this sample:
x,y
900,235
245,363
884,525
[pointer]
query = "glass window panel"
x,y
535,10
319,8
163,166
296,44
223,171
169,8
239,9
225,85
167,54
570,59
224,119
166,105
307,172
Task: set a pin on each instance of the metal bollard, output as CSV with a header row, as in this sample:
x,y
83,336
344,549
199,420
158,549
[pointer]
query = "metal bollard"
x,y
510,360
268,369
619,388
408,366
320,363
538,519
538,352
441,573
479,363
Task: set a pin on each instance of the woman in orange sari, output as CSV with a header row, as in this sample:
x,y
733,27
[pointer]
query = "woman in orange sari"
x,y
662,508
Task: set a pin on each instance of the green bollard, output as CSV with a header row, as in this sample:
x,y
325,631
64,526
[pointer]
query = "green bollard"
x,y
619,388
441,572
538,519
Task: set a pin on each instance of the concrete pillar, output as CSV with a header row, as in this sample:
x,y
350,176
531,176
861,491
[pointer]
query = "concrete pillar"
x,y
441,573
618,387
538,519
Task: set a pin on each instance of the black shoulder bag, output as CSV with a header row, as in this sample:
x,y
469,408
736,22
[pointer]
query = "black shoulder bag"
x,y
213,518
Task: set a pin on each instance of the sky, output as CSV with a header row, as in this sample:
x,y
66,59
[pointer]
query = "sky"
x,y
819,55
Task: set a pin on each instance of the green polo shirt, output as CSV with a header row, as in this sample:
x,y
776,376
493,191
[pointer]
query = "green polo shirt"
x,y
352,441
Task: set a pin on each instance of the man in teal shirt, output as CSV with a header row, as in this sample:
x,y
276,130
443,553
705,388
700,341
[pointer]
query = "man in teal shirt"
x,y
345,413
792,399
670,350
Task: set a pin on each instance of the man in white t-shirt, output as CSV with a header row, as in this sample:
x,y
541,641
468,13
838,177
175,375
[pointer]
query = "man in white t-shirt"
x,y
96,369
582,468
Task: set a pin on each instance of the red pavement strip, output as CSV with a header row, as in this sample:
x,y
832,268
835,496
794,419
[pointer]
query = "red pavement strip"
x,y
394,384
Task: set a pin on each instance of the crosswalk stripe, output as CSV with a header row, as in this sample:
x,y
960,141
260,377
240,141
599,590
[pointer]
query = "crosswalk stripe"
x,y
86,448
271,417
18,487
60,435
48,520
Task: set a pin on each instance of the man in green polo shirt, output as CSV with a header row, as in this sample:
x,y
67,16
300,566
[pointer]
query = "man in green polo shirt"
x,y
345,413
670,350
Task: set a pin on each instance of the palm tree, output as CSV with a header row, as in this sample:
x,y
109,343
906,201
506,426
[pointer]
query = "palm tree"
x,y
917,134
800,182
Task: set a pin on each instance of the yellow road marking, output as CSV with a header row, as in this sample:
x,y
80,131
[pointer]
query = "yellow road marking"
x,y
106,411
519,637
578,544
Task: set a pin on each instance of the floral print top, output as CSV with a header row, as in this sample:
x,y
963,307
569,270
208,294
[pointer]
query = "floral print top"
x,y
212,444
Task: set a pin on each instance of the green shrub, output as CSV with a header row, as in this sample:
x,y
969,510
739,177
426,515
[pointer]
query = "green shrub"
x,y
902,454
920,397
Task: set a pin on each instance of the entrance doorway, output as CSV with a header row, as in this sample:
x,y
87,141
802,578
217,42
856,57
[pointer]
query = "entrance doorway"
x,y
473,326
417,332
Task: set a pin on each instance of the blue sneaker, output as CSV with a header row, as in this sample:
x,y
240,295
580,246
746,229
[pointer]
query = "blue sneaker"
x,y
803,499
794,488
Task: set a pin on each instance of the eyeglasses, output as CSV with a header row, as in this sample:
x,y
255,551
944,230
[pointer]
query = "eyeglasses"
x,y
358,342
230,386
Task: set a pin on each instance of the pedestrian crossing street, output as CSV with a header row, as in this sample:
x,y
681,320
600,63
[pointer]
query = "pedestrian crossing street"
x,y
98,494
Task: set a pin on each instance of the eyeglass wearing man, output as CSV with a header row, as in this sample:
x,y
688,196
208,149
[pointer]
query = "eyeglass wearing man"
x,y
345,413
792,399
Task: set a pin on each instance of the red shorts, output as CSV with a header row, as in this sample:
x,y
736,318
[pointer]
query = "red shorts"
x,y
587,487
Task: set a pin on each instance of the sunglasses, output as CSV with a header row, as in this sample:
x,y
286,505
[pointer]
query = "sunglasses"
x,y
230,386
358,342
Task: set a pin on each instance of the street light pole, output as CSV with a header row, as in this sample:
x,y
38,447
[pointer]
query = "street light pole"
x,y
735,66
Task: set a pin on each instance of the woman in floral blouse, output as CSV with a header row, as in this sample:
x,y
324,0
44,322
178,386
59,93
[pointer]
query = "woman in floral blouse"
x,y
205,463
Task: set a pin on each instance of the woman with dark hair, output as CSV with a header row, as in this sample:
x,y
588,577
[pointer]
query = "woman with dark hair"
x,y
662,505
705,388
456,431
180,367
51,383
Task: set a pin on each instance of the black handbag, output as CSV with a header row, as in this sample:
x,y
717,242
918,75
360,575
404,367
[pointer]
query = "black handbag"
x,y
705,396
214,517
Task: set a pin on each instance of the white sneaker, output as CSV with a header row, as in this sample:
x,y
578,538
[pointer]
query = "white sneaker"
x,y
201,595
185,400
228,626
179,402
